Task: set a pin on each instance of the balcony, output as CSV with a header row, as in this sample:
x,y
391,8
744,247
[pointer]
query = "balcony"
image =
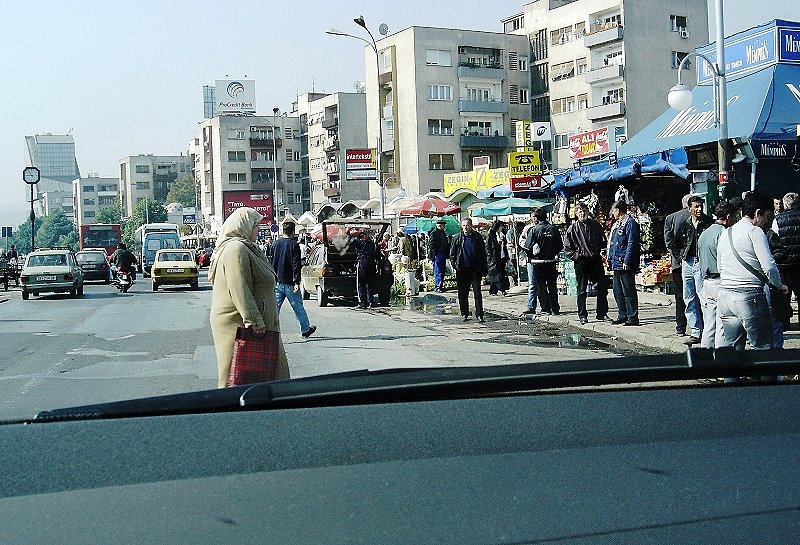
x,y
330,143
107,194
266,163
604,73
484,142
331,167
467,70
603,34
330,122
613,109
493,107
387,111
331,192
266,142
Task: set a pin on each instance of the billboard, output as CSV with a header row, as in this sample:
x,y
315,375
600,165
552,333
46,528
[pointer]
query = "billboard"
x,y
361,164
589,144
261,201
525,170
235,97
529,132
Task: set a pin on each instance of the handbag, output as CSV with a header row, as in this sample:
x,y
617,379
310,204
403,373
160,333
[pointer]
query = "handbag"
x,y
255,357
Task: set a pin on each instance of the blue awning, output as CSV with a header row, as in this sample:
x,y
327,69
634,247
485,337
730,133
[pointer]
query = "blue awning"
x,y
759,104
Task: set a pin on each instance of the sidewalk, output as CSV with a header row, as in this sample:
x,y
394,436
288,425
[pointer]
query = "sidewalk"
x,y
656,316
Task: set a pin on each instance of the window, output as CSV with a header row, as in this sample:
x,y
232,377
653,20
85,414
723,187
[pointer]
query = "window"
x,y
613,96
297,156
513,94
561,36
236,156
561,141
583,101
581,65
563,105
236,134
440,92
237,177
88,188
89,214
479,128
677,23
288,133
613,58
289,155
438,57
481,95
564,70
142,169
88,202
441,127
540,78
385,60
677,57
142,185
524,96
570,104
441,161
540,109
298,199
523,64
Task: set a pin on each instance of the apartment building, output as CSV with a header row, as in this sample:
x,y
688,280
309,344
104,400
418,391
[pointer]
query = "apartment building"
x,y
334,123
54,156
605,63
236,156
445,97
91,195
150,177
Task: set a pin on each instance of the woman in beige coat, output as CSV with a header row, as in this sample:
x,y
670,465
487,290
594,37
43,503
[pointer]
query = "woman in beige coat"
x,y
243,290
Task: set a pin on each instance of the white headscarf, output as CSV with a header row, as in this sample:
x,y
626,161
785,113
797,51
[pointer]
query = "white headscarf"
x,y
238,226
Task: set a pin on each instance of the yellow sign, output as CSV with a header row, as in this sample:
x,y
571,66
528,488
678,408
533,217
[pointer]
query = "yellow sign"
x,y
524,163
524,137
475,180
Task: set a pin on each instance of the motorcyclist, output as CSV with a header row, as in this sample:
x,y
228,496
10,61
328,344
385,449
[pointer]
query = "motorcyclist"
x,y
124,260
12,253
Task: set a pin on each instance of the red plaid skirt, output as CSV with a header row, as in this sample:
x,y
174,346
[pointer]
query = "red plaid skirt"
x,y
255,358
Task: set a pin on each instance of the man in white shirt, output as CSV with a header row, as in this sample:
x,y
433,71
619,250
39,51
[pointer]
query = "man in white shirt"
x,y
743,307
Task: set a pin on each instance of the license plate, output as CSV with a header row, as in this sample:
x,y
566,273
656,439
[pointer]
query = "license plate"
x,y
176,270
48,278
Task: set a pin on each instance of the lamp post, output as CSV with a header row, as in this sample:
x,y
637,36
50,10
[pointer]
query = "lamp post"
x,y
373,44
275,166
680,96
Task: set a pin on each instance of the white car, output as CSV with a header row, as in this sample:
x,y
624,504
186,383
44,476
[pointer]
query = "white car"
x,y
51,271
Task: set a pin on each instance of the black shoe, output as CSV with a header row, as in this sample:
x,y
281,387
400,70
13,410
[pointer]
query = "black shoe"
x,y
631,323
530,311
602,318
619,321
309,332
465,318
584,321
362,307
480,319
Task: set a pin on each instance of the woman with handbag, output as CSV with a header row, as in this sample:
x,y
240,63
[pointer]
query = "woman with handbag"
x,y
243,293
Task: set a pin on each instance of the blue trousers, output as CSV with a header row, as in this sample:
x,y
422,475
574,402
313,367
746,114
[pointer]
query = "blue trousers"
x,y
439,267
295,298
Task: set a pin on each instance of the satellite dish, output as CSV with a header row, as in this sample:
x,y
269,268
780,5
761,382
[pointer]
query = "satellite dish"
x,y
383,29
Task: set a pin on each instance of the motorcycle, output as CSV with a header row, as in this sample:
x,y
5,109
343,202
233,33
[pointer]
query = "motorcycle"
x,y
124,280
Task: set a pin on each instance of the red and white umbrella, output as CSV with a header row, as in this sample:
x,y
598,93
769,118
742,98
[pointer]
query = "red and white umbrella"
x,y
431,207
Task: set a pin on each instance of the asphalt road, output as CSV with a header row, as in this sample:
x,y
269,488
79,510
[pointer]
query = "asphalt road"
x,y
58,351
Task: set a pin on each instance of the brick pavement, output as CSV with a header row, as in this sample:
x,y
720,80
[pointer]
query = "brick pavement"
x,y
656,316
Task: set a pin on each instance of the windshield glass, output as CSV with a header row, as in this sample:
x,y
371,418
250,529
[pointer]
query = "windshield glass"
x,y
459,195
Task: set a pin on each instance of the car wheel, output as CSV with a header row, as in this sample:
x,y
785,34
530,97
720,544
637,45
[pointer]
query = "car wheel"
x,y
322,297
155,286
25,295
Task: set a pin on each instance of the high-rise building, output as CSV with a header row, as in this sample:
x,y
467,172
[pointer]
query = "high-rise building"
x,y
605,63
445,98
54,156
150,177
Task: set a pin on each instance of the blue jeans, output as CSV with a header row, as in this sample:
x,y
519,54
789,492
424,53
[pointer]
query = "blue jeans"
x,y
693,296
531,286
745,315
439,267
286,291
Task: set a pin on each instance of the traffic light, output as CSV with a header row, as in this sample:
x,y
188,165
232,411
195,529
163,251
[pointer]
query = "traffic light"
x,y
7,232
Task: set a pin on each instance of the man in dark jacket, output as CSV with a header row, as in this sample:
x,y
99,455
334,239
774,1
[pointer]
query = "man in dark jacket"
x,y
685,244
672,224
623,258
285,257
787,226
438,247
547,238
468,256
584,241
124,260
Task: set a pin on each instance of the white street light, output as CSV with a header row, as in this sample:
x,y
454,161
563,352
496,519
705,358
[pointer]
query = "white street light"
x,y
275,111
373,44
680,96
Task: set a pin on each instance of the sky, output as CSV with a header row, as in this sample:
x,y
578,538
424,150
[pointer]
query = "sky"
x,y
126,78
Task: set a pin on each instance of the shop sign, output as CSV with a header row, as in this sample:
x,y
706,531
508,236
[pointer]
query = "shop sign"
x,y
589,144
774,150
261,202
525,169
361,164
528,132
489,178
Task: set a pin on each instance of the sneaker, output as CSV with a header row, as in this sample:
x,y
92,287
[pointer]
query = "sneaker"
x,y
584,321
309,332
619,321
691,340
636,323
464,318
480,319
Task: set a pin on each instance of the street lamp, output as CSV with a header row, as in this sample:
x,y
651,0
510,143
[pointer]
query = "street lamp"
x,y
373,44
680,96
275,111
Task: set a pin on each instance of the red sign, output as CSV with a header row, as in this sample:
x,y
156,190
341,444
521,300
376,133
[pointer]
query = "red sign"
x,y
260,201
529,183
723,178
589,144
360,164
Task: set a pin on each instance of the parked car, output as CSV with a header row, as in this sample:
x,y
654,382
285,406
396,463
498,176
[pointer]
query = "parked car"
x,y
95,265
51,271
204,257
330,269
174,267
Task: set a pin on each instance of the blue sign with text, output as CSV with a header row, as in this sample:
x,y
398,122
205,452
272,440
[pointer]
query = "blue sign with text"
x,y
789,39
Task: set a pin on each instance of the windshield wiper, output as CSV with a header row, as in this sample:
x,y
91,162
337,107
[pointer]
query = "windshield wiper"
x,y
404,385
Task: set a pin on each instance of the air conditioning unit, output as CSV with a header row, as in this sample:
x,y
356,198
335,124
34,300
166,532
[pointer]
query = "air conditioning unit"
x,y
684,34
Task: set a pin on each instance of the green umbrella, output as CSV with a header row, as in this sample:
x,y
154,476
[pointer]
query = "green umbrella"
x,y
509,206
451,226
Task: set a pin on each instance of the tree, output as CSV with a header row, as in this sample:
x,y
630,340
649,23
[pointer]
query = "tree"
x,y
183,192
57,230
145,211
112,214
22,235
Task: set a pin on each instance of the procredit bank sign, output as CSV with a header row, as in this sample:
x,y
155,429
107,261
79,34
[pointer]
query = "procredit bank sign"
x,y
261,202
235,96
